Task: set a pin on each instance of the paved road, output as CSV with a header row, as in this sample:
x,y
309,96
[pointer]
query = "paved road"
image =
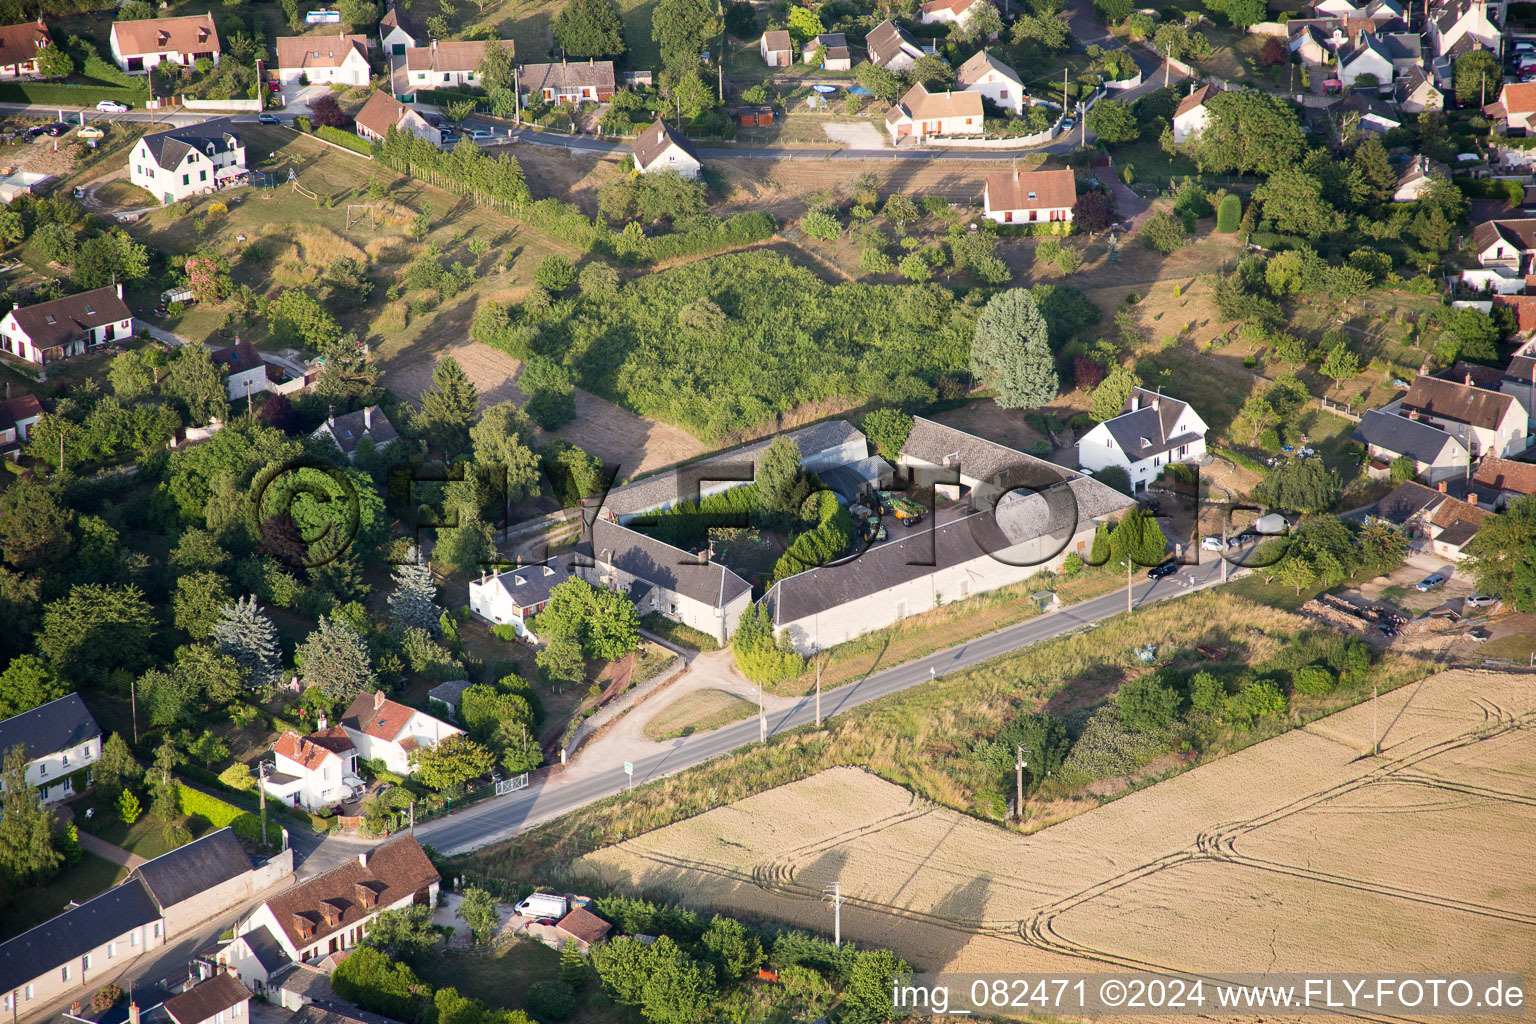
x,y
557,794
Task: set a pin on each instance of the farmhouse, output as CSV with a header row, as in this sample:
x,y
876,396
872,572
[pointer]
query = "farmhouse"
x,y
334,910
314,771
1191,115
995,80
348,430
449,65
17,418
382,730
513,596
921,113
194,160
18,48
660,150
61,740
892,47
329,60
50,331
396,35
833,47
1436,454
576,82
383,112
138,46
777,48
1486,422
1025,197
220,999
1152,431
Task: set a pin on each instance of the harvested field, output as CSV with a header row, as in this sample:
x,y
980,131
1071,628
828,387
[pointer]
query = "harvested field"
x,y
1411,860
785,187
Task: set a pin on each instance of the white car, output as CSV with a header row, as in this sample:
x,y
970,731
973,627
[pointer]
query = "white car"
x,y
1482,601
1211,544
112,107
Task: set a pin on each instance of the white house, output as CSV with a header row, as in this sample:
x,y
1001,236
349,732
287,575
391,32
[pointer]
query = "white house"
x,y
75,324
1368,56
947,12
1506,243
314,771
338,59
220,999
61,740
833,47
449,65
777,49
17,418
513,596
395,32
348,430
195,160
921,113
246,373
1415,93
383,112
1516,105
382,730
1416,177
1466,24
892,47
1484,421
1151,432
660,150
19,45
1436,454
1192,115
256,958
1026,197
138,46
333,911
995,80
577,82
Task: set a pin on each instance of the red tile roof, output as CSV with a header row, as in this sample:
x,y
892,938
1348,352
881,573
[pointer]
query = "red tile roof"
x,y
1504,475
304,751
20,43
194,34
375,715
1192,101
1032,190
1459,403
333,901
1524,307
582,924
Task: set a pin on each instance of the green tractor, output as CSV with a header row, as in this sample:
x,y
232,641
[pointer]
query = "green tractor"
x,y
909,512
872,529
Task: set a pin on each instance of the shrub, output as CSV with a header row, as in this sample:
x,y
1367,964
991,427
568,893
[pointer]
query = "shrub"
x,y
1163,232
1229,214
502,631
555,273
1314,680
195,803
1072,564
1254,701
551,999
344,139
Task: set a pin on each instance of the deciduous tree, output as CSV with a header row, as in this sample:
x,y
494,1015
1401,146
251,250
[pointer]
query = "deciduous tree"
x,y
27,856
452,762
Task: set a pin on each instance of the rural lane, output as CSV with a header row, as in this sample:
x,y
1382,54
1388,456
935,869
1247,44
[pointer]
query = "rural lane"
x,y
560,793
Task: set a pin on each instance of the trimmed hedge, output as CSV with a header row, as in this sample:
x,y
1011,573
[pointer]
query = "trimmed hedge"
x,y
195,802
1229,214
62,94
347,140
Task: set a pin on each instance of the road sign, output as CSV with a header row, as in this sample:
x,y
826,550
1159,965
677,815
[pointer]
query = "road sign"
x,y
629,767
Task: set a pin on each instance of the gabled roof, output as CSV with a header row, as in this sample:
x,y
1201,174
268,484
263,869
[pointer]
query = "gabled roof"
x,y
1452,511
207,998
328,51
333,901
1471,373
1518,97
656,140
394,19
1366,103
1421,168
349,429
1505,475
20,43
1410,82
955,7
887,39
1031,190
193,869
304,751
64,320
194,33
566,76
1459,403
973,70
582,924
75,932
1517,232
58,725
1366,43
452,55
237,358
266,949
530,585
169,148
921,105
778,40
1404,46
1145,427
1406,501
663,565
375,715
22,407
1193,100
383,112
450,692
1403,436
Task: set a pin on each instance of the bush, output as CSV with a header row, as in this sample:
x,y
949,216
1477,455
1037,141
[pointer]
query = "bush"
x,y
551,999
196,803
1163,232
1229,214
1314,680
502,631
345,139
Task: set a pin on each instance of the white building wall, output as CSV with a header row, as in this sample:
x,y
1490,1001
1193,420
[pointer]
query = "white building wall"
x,y
1190,124
51,773
1000,89
673,159
247,382
677,607
79,975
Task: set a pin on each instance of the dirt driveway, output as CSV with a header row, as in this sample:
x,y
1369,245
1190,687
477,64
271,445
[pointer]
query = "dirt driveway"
x,y
854,135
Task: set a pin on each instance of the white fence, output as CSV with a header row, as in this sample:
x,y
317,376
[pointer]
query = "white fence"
x,y
512,785
227,106
1124,83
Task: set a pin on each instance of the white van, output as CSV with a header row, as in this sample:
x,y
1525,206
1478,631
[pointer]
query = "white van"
x,y
543,904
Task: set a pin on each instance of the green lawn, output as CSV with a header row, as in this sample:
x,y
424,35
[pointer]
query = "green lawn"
x,y
528,23
33,906
701,711
1517,647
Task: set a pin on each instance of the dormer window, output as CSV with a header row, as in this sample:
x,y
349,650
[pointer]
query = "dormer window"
x,y
90,310
1146,442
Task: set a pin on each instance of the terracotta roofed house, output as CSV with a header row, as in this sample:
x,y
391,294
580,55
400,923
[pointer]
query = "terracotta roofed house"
x,y
332,911
58,329
947,12
1516,104
1486,422
584,928
221,999
138,46
383,112
1021,197
396,34
995,80
578,82
449,64
19,45
892,47
384,730
659,149
17,418
338,59
777,49
921,113
1497,481
315,771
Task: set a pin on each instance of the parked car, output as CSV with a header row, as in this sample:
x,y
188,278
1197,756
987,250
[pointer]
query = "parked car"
x,y
481,135
1401,384
1157,572
56,129
112,107
1212,544
1240,540
91,132
34,131
1068,123
1430,582
79,191
1306,453
1482,601
267,119
1152,505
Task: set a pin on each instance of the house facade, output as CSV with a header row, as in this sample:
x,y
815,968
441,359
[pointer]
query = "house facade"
x,y
833,47
995,80
334,910
383,730
921,113
383,112
17,418
947,12
256,958
569,81
892,47
1498,482
1436,454
1029,197
19,46
338,59
62,741
660,150
777,49
1415,93
207,877
1368,56
1191,115
1516,104
513,596
1485,422
1465,24
315,771
1151,432
195,160
396,35
1508,243
138,46
1416,177
219,999
449,65
348,430
71,326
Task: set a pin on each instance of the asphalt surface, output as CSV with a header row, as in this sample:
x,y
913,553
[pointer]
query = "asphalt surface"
x,y
503,817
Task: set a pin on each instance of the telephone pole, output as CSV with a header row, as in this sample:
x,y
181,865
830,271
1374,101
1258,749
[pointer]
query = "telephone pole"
x,y
261,794
818,689
1018,799
1375,736
1128,607
833,894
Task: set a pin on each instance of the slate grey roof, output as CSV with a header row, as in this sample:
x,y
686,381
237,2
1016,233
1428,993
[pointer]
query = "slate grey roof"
x,y
171,147
1407,500
350,428
681,484
950,447
190,870
267,950
1366,103
75,933
450,692
1458,533
662,565
1403,46
1404,436
309,983
58,725
206,998
888,39
60,321
528,585
656,140
1140,434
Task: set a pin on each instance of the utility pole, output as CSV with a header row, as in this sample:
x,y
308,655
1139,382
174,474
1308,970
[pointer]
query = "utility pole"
x,y
1167,66
1018,799
261,794
133,704
1128,606
413,816
762,717
1375,736
833,894
818,689
517,100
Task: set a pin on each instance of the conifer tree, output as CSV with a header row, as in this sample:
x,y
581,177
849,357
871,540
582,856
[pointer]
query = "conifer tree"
x,y
246,634
414,600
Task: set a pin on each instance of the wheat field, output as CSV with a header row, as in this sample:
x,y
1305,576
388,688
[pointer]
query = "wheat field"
x,y
1300,853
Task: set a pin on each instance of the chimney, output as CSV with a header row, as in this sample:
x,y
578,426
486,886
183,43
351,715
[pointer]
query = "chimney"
x,y
1157,401
1441,486
378,699
368,418
320,723
1467,379
119,289
133,1012
1135,401
362,859
330,417
7,391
